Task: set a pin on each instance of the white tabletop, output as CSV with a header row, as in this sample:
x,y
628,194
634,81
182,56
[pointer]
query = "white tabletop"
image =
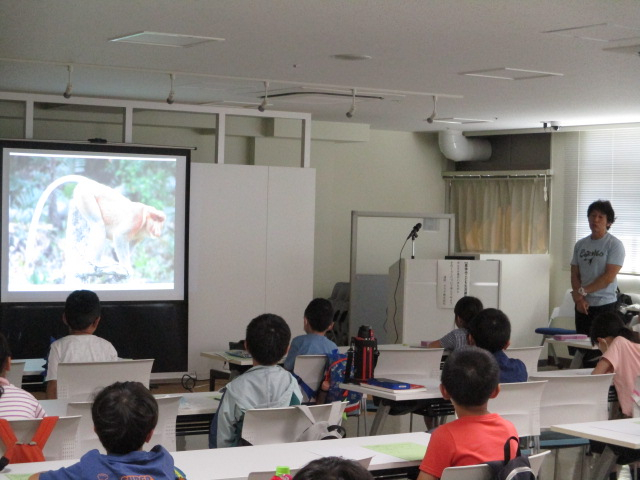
x,y
225,357
198,403
623,433
237,463
565,372
432,385
582,344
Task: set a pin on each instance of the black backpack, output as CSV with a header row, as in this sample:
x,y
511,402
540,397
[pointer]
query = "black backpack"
x,y
517,468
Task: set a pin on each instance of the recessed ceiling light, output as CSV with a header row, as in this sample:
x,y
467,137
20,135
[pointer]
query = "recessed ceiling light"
x,y
460,121
351,56
600,32
165,39
507,73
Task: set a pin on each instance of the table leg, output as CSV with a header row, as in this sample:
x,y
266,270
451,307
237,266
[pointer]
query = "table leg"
x,y
603,465
379,419
576,362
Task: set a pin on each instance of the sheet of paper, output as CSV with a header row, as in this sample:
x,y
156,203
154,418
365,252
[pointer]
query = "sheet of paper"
x,y
353,453
18,476
406,451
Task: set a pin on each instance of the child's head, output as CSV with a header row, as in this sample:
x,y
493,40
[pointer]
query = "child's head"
x,y
81,309
333,468
490,329
470,376
609,324
466,308
267,338
319,315
124,416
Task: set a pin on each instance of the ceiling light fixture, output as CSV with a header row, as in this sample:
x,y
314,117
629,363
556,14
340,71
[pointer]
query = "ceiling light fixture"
x,y
172,93
352,110
263,105
67,92
433,114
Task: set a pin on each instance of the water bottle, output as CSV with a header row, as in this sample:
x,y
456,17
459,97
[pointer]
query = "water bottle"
x,y
282,473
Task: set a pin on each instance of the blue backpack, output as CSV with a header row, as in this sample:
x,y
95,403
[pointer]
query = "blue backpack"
x,y
334,376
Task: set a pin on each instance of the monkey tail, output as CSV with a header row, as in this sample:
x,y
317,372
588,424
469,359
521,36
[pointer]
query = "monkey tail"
x,y
30,253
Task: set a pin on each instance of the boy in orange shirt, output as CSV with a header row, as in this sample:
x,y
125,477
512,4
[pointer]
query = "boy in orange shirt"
x,y
469,379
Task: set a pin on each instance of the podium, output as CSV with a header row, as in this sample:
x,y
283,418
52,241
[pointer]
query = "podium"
x,y
423,292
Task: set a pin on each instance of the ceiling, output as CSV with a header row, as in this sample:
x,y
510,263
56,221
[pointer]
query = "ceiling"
x,y
418,48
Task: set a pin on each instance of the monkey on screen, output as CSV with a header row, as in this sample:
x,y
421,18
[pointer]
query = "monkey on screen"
x,y
98,214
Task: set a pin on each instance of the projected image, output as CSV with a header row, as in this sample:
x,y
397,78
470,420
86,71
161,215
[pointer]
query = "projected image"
x,y
89,220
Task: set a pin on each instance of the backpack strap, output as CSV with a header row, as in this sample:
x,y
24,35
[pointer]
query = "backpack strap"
x,y
44,431
307,413
308,391
9,439
507,448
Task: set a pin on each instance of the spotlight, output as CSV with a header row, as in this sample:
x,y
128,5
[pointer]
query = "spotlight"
x,y
67,92
262,107
433,114
172,93
352,110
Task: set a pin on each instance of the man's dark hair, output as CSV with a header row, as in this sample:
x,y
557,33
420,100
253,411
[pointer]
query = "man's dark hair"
x,y
490,329
81,309
123,415
470,375
603,206
319,314
333,468
268,338
466,308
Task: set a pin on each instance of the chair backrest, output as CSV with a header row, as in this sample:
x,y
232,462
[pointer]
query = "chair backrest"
x,y
62,443
264,426
310,368
164,433
484,472
529,355
574,398
410,361
80,381
15,373
520,404
565,310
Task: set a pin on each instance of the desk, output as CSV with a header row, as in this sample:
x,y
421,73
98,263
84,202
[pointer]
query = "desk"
x,y
622,433
580,345
388,398
194,412
241,364
237,463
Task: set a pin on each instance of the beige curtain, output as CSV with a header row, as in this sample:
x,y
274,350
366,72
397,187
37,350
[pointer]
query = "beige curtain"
x,y
500,215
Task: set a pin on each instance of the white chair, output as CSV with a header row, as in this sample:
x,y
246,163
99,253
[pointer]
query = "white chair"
x,y
571,399
264,426
484,472
520,404
80,381
15,373
410,361
62,443
561,321
529,355
164,433
310,369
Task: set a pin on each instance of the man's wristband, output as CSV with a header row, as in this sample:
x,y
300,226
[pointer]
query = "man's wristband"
x,y
582,292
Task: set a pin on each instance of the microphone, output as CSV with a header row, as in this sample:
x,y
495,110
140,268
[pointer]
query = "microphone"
x,y
414,231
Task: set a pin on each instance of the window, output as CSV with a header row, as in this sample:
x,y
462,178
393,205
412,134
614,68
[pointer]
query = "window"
x,y
603,164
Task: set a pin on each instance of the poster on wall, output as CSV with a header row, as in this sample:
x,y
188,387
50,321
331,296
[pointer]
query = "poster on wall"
x,y
454,281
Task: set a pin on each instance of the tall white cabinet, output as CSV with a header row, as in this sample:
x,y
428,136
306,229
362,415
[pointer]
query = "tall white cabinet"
x,y
251,245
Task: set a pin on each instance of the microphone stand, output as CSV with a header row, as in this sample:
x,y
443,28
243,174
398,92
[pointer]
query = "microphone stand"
x,y
413,236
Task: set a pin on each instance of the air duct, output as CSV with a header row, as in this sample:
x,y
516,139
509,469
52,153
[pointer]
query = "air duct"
x,y
459,148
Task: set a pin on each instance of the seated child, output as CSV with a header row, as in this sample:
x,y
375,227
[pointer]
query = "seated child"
x,y
82,316
265,385
124,416
466,308
15,403
333,468
469,379
318,320
620,355
491,330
